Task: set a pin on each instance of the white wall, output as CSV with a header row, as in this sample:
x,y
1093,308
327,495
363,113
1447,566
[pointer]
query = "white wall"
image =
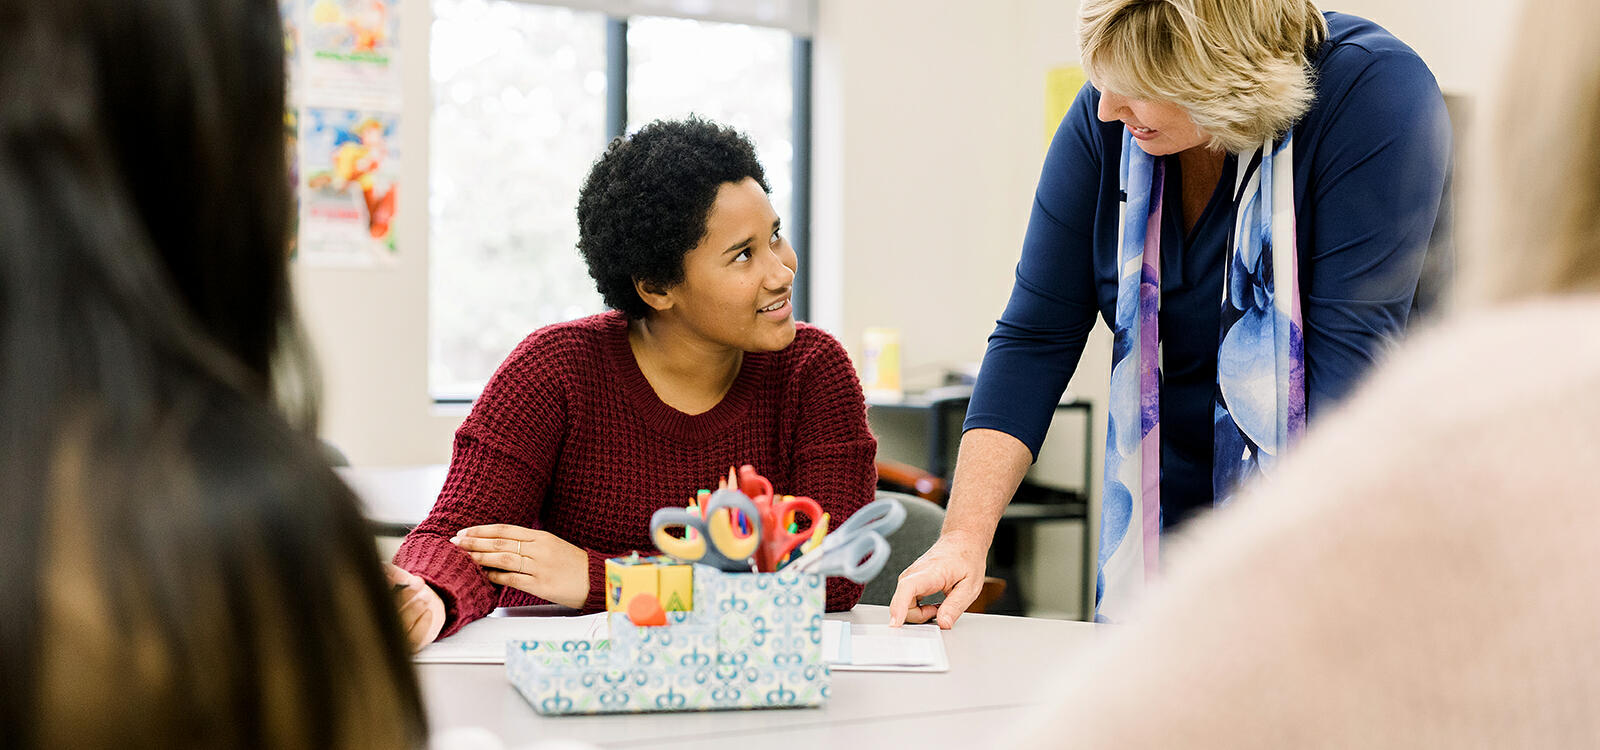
x,y
370,326
929,136
1463,41
927,187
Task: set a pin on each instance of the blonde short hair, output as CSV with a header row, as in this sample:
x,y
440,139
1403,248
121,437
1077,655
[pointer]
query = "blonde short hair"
x,y
1239,67
1536,171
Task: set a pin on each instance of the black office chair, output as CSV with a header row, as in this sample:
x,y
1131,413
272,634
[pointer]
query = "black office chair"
x,y
906,544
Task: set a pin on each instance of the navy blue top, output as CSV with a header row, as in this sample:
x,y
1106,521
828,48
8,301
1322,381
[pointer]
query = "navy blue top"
x,y
1370,162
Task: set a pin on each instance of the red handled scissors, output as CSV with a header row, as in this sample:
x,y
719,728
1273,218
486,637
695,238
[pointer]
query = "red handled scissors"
x,y
776,541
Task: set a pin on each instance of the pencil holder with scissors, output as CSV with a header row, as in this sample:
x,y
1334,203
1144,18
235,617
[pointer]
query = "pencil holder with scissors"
x,y
740,528
753,638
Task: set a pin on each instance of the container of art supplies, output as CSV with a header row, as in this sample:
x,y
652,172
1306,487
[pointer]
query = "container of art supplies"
x,y
752,640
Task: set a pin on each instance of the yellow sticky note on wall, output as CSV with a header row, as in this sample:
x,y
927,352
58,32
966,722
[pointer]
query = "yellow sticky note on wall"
x,y
1061,86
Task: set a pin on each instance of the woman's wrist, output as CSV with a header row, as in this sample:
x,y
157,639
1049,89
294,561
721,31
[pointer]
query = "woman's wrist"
x,y
966,539
576,595
578,581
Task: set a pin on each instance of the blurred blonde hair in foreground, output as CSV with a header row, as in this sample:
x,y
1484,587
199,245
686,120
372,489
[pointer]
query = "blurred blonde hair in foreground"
x,y
1535,227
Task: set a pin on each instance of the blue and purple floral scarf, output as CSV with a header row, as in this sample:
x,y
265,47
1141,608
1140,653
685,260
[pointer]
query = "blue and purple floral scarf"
x,y
1260,402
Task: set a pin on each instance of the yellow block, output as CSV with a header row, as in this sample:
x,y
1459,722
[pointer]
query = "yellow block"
x,y
675,585
627,577
666,579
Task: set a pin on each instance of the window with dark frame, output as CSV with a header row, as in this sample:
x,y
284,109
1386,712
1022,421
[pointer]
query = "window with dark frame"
x,y
525,96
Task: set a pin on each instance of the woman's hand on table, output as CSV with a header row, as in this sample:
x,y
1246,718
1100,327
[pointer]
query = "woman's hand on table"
x,y
421,608
954,566
537,562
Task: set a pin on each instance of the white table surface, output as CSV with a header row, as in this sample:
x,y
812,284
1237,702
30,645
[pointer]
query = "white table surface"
x,y
999,668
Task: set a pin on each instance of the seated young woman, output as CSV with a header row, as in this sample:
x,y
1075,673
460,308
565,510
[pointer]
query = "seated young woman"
x,y
592,425
181,567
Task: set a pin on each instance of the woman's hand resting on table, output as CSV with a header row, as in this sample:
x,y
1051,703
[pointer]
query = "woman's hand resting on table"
x,y
955,566
537,562
421,608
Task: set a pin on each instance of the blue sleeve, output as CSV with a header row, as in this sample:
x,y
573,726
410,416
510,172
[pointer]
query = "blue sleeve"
x,y
1037,341
1376,184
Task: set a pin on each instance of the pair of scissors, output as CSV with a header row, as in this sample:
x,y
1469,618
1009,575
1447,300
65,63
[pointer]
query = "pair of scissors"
x,y
857,549
717,544
777,542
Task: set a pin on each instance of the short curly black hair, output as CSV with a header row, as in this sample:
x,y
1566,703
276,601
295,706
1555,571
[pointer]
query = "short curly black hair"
x,y
645,202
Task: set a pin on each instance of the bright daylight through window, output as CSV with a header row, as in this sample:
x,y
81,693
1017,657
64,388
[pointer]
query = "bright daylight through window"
x,y
519,114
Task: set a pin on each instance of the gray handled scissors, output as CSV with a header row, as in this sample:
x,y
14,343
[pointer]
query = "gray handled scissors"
x,y
857,549
718,544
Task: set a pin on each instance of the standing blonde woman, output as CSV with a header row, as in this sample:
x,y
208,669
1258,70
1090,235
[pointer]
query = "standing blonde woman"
x,y
1421,573
1245,194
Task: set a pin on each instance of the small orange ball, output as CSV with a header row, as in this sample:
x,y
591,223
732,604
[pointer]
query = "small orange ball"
x,y
645,610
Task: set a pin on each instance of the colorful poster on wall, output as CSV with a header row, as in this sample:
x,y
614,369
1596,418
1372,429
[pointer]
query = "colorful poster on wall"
x,y
342,128
352,53
289,14
350,167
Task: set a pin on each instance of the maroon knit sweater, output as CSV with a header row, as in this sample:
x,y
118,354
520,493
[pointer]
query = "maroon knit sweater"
x,y
569,437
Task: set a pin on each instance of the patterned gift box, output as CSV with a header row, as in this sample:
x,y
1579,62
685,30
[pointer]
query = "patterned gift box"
x,y
765,619
753,640
681,642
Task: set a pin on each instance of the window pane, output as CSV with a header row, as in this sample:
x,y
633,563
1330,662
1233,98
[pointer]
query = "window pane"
x,y
738,75
518,117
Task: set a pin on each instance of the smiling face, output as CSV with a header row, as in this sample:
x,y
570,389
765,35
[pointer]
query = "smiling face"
x,y
1160,128
737,283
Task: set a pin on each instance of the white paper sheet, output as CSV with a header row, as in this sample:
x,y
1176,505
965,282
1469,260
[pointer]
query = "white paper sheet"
x,y
484,641
880,648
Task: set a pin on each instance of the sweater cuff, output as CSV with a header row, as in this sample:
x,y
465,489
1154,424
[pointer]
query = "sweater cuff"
x,y
842,594
467,594
597,582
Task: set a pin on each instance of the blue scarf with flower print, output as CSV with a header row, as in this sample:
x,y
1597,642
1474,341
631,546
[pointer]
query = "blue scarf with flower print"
x,y
1260,404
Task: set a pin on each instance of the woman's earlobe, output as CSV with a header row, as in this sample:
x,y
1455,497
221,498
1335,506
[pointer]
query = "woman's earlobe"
x,y
657,298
